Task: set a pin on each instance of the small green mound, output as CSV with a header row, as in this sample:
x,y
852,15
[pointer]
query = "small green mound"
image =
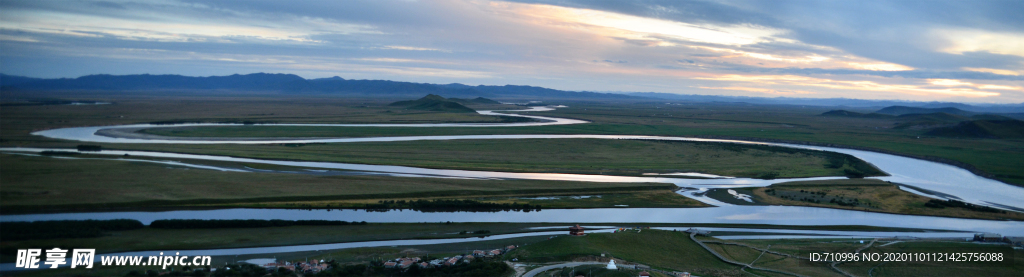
x,y
475,101
927,120
434,103
845,113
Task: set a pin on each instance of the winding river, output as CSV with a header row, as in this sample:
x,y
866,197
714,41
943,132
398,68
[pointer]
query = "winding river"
x,y
926,178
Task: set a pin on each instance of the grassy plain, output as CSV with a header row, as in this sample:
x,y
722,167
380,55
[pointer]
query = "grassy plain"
x,y
733,120
871,195
632,197
344,256
659,249
190,239
36,183
796,123
1012,266
581,156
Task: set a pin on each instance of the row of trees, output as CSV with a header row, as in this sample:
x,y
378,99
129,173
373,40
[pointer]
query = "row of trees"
x,y
242,223
438,205
65,228
481,268
939,204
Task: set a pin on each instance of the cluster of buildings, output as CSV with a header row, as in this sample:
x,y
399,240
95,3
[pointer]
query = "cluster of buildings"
x,y
308,267
992,237
406,263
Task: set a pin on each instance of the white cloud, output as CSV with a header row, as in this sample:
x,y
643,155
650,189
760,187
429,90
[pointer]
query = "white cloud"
x,y
959,41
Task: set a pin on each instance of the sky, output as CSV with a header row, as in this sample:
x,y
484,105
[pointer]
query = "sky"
x,y
961,51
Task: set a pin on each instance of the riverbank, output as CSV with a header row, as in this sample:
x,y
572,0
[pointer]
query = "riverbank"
x,y
573,156
855,194
37,184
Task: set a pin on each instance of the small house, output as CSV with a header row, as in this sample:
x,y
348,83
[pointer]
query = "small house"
x,y
576,230
988,237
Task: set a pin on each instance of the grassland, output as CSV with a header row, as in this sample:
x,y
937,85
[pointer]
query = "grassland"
x,y
344,256
34,183
581,156
870,195
659,249
997,157
664,250
17,122
1012,265
635,197
190,239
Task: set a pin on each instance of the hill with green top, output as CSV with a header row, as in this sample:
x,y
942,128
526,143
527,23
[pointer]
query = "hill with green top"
x,y
475,101
845,113
435,103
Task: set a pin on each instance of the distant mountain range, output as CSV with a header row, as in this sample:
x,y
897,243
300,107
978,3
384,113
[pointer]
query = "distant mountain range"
x,y
901,110
913,112
833,102
293,84
946,122
288,84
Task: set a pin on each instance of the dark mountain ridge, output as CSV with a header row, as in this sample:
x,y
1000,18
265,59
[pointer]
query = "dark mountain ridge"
x,y
293,84
832,102
286,83
902,110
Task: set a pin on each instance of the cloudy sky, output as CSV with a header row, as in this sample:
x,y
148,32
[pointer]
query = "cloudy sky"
x,y
968,51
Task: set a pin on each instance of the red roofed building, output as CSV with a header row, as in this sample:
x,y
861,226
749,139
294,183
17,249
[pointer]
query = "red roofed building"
x,y
451,261
576,230
406,263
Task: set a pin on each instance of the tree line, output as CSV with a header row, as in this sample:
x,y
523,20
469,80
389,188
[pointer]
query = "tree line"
x,y
939,204
65,228
444,205
242,223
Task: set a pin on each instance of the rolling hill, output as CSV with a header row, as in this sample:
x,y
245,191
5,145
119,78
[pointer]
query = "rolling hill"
x,y
434,103
902,110
845,113
475,101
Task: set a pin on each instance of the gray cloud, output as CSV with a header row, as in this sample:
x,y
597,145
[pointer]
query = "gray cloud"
x,y
451,41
